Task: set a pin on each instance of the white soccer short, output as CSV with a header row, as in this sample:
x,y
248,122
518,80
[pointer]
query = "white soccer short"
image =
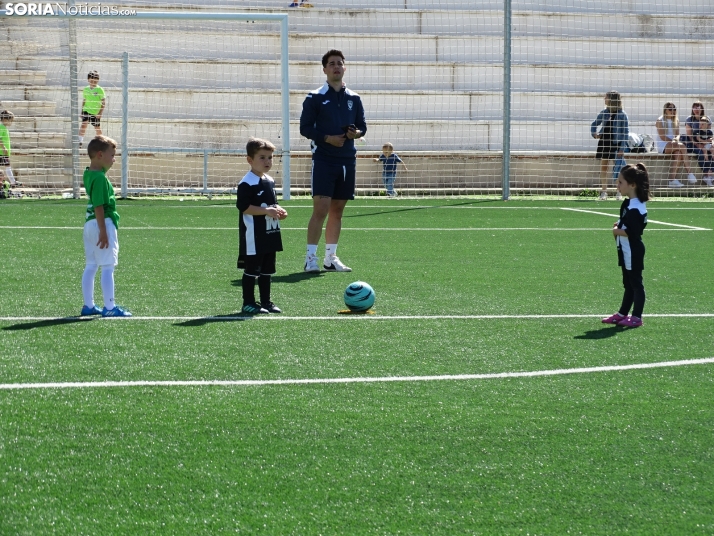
x,y
108,256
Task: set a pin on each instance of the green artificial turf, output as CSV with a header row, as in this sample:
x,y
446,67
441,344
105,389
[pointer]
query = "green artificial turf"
x,y
599,453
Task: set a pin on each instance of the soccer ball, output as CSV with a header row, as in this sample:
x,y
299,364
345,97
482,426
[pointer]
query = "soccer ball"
x,y
359,297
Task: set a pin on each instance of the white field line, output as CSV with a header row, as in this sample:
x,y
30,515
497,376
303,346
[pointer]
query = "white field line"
x,y
411,229
308,381
690,227
336,316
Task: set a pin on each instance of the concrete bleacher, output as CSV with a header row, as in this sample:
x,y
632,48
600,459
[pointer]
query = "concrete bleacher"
x,y
430,76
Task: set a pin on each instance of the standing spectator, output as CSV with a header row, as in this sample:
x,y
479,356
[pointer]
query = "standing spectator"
x,y
332,118
669,144
613,136
93,103
389,160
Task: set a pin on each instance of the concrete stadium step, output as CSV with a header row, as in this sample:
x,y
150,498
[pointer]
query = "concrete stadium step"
x,y
422,48
379,105
380,76
24,108
32,175
447,170
32,140
435,21
28,78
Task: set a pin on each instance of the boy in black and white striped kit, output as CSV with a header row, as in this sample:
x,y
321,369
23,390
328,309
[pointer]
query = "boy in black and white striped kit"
x,y
634,185
259,227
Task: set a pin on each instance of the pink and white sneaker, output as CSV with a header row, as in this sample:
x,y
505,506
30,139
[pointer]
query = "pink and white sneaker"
x,y
614,319
630,322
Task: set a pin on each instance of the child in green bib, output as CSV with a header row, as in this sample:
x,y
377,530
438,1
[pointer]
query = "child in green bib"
x,y
101,244
93,103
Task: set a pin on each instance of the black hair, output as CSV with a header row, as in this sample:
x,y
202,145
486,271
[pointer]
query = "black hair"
x,y
329,53
638,176
93,75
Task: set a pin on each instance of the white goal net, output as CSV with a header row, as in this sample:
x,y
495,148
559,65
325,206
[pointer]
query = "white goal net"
x,y
430,74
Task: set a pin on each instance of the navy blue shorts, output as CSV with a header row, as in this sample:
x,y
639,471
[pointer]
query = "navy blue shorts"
x,y
333,180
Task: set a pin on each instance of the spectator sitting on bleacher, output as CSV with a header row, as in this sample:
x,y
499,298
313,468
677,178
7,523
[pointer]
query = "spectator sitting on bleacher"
x,y
703,141
691,124
613,136
669,144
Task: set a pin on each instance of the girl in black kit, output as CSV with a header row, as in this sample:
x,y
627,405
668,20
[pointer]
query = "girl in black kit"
x,y
634,184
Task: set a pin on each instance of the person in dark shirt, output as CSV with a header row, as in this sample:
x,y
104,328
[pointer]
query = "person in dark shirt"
x,y
634,185
332,118
703,141
259,227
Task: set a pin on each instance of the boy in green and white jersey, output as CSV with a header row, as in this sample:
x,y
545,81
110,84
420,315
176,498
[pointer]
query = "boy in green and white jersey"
x,y
101,244
93,103
6,119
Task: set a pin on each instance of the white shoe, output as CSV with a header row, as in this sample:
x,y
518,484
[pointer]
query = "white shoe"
x,y
618,196
675,184
311,263
603,195
709,180
334,264
692,178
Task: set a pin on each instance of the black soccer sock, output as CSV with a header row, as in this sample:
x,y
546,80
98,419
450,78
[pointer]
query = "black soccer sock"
x,y
264,288
248,283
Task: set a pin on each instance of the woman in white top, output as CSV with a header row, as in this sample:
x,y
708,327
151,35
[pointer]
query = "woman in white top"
x,y
668,143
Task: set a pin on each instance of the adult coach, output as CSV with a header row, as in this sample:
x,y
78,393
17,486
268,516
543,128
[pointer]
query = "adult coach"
x,y
332,118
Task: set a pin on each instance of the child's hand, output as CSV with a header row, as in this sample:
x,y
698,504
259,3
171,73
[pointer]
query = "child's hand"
x,y
282,213
376,159
103,242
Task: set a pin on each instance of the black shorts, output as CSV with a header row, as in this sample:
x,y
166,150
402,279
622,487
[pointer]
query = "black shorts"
x,y
255,265
606,151
5,161
92,119
333,180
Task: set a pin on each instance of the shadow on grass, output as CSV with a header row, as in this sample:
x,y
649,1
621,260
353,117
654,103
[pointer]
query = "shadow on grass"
x,y
235,317
394,210
602,333
296,277
48,323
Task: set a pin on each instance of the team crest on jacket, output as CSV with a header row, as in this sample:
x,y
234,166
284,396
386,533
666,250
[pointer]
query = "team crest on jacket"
x,y
349,104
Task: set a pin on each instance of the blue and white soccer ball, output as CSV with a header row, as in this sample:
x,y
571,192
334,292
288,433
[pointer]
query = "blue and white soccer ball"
x,y
359,297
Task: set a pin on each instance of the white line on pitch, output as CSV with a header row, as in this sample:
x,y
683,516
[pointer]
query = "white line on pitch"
x,y
412,229
220,383
336,316
690,227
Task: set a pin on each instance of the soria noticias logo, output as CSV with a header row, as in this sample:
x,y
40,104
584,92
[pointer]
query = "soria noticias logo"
x,y
62,8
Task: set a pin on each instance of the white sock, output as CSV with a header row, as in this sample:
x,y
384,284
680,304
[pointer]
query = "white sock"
x,y
90,270
107,280
312,249
330,250
81,138
9,175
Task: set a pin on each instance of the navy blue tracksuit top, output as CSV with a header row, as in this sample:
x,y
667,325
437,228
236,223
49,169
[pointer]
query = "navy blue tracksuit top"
x,y
324,113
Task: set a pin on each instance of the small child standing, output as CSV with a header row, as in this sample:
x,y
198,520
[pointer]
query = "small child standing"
x,y
6,118
389,161
259,227
93,103
101,244
634,185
